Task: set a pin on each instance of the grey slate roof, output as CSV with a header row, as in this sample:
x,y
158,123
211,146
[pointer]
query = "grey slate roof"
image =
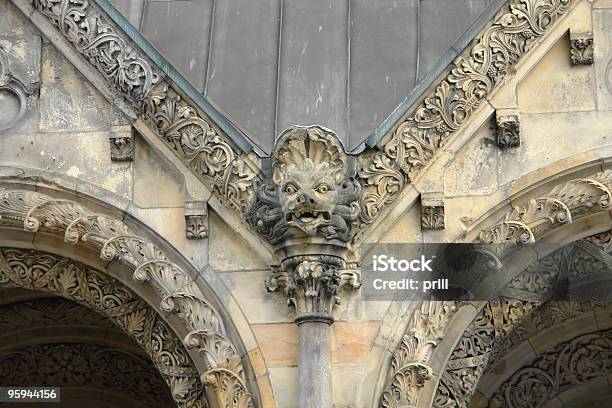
x,y
270,64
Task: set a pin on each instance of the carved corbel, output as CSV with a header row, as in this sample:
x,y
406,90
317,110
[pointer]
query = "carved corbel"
x,y
432,211
581,48
14,94
306,210
508,132
122,143
196,219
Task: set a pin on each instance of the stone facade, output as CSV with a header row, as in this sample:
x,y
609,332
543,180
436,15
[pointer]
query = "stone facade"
x,y
108,166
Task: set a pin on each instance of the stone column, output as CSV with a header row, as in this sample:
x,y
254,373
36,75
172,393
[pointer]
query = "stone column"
x,y
311,283
307,210
314,362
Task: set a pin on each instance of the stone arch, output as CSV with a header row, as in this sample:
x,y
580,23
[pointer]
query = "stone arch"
x,y
56,221
547,214
47,340
488,333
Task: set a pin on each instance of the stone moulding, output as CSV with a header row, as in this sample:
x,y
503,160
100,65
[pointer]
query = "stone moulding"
x,y
13,87
567,365
382,172
409,365
72,280
472,77
189,133
113,240
564,203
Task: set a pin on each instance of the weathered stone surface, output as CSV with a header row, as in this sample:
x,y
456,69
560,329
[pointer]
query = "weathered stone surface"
x,y
68,102
554,85
156,182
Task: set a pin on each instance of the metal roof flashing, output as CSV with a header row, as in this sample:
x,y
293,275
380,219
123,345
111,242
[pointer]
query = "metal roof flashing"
x,y
238,137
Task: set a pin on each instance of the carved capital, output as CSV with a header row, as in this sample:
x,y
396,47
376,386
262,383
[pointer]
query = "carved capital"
x,y
196,219
581,48
432,211
311,283
508,130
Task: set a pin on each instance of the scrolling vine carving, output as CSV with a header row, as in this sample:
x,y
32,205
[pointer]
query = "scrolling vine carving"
x,y
401,156
561,205
103,46
115,241
382,172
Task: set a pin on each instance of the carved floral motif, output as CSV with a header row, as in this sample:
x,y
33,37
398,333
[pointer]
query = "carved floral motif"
x,y
573,199
409,365
115,241
203,149
581,49
569,364
85,365
122,148
384,171
123,65
74,281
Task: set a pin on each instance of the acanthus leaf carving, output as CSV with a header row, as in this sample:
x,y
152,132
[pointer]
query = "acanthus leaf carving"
x,y
575,198
113,239
205,151
471,78
409,366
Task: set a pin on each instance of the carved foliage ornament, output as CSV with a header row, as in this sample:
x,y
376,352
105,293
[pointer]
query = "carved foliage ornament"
x,y
85,365
203,149
311,192
106,49
568,365
581,48
108,297
575,198
115,241
14,92
383,172
409,366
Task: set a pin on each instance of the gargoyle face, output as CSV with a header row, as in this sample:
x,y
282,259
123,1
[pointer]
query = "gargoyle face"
x,y
311,193
308,196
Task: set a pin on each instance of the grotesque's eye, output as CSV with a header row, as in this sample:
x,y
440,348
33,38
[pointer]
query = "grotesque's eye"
x,y
290,189
322,188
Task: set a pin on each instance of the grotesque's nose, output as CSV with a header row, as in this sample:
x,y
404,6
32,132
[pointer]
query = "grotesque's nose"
x,y
305,199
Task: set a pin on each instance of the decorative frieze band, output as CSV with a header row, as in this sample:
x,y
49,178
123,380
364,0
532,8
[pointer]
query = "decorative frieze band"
x,y
564,203
383,172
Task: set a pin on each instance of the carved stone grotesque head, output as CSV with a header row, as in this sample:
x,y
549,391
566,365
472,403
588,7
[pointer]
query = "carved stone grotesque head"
x,y
312,193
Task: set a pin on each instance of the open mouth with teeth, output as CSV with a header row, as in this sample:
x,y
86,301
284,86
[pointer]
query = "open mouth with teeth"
x,y
308,216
